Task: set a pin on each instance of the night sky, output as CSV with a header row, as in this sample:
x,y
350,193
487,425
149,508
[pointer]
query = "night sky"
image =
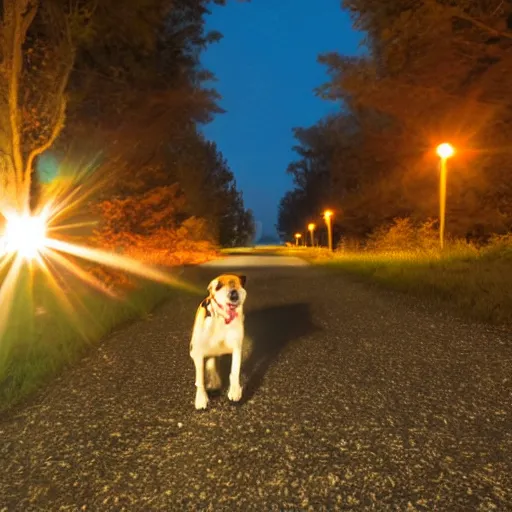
x,y
266,66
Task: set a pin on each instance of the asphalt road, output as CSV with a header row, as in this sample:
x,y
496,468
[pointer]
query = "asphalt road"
x,y
355,398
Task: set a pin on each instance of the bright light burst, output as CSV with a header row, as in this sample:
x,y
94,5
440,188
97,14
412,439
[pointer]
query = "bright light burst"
x,y
27,242
445,150
25,235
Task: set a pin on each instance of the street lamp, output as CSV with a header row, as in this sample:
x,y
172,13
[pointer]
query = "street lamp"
x,y
327,216
311,228
297,237
444,151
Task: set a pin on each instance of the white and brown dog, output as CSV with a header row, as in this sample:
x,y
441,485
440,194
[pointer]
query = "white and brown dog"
x,y
218,330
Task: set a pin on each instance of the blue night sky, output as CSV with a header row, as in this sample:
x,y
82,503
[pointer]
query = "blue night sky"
x,y
266,66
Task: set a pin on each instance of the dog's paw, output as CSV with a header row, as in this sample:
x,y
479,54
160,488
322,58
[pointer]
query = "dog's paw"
x,y
201,399
235,392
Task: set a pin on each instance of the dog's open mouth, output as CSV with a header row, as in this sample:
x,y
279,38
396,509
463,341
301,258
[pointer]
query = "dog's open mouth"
x,y
232,306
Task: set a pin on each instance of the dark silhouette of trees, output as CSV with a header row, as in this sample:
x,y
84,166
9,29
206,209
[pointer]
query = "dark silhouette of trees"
x,y
118,83
434,71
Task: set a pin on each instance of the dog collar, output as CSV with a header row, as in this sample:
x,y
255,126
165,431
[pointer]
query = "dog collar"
x,y
231,313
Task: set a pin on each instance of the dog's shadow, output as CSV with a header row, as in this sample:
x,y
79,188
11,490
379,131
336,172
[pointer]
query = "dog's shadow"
x,y
267,332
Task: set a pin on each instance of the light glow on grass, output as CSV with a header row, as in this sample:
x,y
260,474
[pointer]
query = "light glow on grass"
x,y
472,281
59,290
29,241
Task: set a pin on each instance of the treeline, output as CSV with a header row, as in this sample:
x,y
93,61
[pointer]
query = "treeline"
x,y
434,71
114,91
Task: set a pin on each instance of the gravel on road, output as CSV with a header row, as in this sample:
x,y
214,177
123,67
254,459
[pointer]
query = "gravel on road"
x,y
355,398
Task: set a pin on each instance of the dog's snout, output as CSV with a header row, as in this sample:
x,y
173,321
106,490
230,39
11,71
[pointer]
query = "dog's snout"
x,y
233,295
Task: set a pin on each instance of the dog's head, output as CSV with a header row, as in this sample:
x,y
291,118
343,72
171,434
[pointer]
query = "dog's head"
x,y
228,290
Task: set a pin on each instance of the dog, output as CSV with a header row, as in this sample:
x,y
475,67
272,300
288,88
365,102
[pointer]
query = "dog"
x,y
218,330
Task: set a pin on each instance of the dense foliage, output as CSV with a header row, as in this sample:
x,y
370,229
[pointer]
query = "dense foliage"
x,y
433,71
114,91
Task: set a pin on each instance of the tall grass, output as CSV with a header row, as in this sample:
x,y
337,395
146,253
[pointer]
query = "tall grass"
x,y
42,334
474,281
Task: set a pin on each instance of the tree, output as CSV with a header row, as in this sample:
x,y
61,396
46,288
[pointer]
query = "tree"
x,y
133,97
139,88
119,87
37,49
210,188
292,214
435,71
340,167
40,44
462,96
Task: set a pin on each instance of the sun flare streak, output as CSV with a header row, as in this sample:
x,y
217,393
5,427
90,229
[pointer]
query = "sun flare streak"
x,y
27,242
111,260
8,287
82,274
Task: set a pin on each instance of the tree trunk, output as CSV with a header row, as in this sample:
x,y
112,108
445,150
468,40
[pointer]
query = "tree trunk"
x,y
17,18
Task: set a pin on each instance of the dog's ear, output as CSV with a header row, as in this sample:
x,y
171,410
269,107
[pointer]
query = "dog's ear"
x,y
243,280
215,285
212,286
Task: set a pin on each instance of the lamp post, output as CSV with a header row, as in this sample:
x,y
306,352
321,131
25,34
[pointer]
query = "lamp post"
x,y
444,151
327,216
297,237
311,229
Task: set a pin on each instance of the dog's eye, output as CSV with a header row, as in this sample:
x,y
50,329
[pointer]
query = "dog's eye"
x,y
219,286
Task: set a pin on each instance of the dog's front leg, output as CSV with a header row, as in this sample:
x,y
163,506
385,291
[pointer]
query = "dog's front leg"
x,y
235,390
201,395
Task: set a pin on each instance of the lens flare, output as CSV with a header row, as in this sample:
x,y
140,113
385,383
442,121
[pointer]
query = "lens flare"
x,y
37,243
24,235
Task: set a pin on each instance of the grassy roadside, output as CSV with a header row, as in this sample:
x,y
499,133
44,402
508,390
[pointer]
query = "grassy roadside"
x,y
42,335
474,282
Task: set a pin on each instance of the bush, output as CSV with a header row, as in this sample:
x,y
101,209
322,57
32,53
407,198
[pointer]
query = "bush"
x,y
160,208
499,247
152,228
476,281
350,244
404,235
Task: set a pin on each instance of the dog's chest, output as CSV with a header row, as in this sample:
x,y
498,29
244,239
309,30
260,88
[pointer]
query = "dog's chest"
x,y
220,338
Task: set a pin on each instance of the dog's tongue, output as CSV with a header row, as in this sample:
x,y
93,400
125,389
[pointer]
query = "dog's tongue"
x,y
231,313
